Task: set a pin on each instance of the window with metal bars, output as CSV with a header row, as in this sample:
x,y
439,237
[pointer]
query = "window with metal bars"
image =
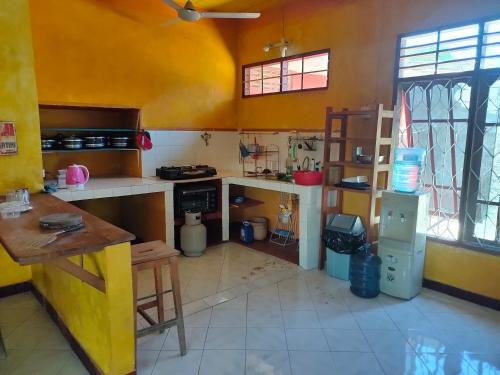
x,y
304,72
448,98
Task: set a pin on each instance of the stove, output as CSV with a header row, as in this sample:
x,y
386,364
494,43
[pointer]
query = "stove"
x,y
187,172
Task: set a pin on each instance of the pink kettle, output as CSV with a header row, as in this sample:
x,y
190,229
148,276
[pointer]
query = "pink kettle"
x,y
77,176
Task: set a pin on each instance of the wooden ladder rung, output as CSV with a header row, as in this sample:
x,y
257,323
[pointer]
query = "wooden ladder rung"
x,y
383,168
385,141
387,114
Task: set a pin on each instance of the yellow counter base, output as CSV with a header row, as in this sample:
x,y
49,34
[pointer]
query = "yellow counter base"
x,y
102,323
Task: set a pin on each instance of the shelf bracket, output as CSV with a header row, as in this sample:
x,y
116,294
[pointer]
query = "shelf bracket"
x,y
80,273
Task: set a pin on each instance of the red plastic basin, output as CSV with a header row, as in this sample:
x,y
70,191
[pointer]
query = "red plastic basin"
x,y
308,177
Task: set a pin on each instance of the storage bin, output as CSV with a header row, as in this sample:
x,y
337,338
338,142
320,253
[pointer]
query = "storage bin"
x,y
259,225
337,265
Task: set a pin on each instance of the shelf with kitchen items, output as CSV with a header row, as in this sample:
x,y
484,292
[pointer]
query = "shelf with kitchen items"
x,y
99,137
354,164
306,143
256,155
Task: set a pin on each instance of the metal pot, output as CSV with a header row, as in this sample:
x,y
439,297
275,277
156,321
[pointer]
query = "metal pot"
x,y
95,142
119,141
72,143
48,144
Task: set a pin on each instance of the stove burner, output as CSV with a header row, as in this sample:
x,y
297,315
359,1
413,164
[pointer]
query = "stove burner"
x,y
185,172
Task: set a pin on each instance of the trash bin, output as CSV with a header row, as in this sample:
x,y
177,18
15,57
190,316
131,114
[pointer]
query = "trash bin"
x,y
337,264
342,236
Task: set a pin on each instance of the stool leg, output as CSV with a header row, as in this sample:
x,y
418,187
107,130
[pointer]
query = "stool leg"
x,y
159,294
176,289
3,350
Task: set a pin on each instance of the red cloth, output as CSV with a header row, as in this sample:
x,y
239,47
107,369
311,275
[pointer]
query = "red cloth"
x,y
144,140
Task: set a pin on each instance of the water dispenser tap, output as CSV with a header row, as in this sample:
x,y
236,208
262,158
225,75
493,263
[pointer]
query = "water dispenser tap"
x,y
402,218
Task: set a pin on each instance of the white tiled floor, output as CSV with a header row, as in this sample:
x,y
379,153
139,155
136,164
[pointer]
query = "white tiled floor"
x,y
284,321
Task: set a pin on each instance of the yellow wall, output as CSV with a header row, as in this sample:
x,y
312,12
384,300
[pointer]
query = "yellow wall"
x,y
18,99
10,271
116,52
362,35
465,269
102,323
18,103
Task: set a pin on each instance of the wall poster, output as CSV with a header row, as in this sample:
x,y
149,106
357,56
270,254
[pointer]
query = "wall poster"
x,y
8,142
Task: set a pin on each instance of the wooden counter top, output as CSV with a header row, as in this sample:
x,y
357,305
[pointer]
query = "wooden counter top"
x,y
15,234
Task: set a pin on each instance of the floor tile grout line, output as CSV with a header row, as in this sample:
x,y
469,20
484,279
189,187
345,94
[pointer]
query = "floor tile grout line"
x,y
204,343
246,333
156,362
284,331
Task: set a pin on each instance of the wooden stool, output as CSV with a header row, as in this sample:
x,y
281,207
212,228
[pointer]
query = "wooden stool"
x,y
154,255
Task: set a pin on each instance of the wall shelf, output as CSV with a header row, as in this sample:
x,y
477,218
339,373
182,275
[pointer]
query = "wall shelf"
x,y
90,150
88,130
247,203
87,120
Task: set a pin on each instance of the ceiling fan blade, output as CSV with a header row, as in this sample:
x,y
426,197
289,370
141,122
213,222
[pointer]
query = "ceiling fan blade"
x,y
170,22
172,4
229,15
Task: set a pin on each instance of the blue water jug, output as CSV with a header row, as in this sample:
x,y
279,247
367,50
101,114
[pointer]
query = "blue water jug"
x,y
246,232
364,273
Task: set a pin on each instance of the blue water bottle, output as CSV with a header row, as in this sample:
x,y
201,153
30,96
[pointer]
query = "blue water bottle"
x,y
246,232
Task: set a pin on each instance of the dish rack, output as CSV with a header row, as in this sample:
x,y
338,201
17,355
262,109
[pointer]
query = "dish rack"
x,y
260,158
285,228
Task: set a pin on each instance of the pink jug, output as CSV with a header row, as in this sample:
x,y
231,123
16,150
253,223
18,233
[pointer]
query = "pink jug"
x,y
77,176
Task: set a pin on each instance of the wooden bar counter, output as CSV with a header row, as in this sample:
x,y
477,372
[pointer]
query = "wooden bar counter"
x,y
85,278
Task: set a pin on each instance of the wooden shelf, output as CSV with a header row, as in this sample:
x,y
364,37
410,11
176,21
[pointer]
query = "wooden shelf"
x,y
351,190
88,130
376,124
247,203
90,150
383,140
380,167
348,164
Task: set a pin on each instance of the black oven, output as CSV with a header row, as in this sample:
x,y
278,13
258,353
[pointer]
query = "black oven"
x,y
194,197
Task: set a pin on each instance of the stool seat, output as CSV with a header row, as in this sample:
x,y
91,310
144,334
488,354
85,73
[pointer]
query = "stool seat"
x,y
151,251
153,255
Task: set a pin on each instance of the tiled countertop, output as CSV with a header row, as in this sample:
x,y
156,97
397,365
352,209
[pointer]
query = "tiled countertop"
x,y
122,186
114,187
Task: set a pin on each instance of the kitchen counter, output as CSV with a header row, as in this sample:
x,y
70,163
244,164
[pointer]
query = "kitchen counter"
x,y
309,203
309,213
106,187
16,234
84,279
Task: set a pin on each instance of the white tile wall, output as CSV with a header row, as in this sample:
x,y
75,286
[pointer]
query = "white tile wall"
x,y
187,147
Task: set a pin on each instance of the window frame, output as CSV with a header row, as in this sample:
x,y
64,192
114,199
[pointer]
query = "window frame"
x,y
467,196
280,60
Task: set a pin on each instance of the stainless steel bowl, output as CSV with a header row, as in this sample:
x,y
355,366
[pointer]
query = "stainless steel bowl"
x,y
72,143
48,144
119,141
95,142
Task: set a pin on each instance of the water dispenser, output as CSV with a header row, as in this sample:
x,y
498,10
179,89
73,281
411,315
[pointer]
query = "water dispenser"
x,y
402,239
408,165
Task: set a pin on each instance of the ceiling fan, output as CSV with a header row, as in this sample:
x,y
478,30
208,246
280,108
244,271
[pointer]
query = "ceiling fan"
x,y
189,13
